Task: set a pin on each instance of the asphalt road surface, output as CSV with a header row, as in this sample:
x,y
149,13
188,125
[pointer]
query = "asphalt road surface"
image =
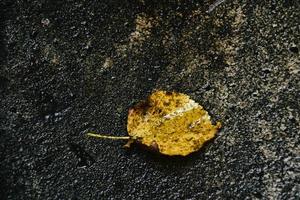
x,y
69,67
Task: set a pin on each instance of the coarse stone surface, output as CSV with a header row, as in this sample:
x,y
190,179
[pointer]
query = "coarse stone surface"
x,y
69,67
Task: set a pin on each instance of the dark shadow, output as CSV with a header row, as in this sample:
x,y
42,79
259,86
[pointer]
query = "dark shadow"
x,y
84,158
168,163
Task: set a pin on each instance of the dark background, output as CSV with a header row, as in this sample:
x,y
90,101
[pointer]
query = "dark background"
x,y
68,67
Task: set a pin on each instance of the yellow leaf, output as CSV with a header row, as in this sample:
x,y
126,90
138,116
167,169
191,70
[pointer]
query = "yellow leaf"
x,y
170,123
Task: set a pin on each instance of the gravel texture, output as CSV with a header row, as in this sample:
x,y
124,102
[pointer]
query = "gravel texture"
x,y
68,67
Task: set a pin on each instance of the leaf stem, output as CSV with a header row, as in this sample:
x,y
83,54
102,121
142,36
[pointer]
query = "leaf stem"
x,y
108,137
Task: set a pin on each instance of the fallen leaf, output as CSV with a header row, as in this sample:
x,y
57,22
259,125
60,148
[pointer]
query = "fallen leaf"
x,y
170,123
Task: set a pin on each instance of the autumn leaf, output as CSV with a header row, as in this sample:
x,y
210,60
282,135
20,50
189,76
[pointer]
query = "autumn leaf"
x,y
170,123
